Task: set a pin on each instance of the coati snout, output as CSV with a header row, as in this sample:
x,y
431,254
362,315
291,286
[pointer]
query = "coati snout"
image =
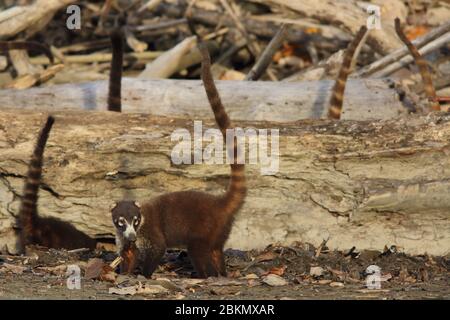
x,y
126,216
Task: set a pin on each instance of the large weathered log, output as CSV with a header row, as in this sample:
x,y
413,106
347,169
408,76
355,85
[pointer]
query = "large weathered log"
x,y
364,184
247,101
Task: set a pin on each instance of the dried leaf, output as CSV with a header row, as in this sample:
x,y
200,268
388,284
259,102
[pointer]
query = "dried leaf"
x,y
94,268
274,281
278,271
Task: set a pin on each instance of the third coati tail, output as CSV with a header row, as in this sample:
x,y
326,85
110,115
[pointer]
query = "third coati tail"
x,y
200,221
422,65
26,45
47,232
115,75
337,94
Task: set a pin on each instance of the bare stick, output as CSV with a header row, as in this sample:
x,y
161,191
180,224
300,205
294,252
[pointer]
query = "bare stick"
x,y
423,67
397,54
99,57
266,57
254,47
406,60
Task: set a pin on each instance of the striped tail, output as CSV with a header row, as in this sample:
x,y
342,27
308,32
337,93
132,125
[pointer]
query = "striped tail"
x,y
423,67
28,210
27,45
115,75
237,189
337,95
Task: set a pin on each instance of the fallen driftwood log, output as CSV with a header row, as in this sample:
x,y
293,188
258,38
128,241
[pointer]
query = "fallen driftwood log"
x,y
366,184
247,101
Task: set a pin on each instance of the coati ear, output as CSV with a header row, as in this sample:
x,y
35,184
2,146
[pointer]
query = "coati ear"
x,y
137,204
113,205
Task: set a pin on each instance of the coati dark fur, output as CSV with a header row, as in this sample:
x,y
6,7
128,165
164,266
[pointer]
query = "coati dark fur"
x,y
423,68
26,45
47,232
200,221
115,74
337,95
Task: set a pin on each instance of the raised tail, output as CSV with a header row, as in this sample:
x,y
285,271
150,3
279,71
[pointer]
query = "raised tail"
x,y
115,75
28,209
235,195
27,45
337,95
423,67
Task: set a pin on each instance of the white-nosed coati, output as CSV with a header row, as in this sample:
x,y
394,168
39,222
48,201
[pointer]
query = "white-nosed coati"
x,y
47,232
423,68
26,45
115,73
198,220
337,95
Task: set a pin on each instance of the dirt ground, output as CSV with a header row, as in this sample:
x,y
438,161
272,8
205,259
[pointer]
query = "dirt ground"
x,y
299,271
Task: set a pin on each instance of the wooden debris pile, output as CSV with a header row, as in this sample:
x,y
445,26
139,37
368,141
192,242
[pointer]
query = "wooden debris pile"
x,y
249,40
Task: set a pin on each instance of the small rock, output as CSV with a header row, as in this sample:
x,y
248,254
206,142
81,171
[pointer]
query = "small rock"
x,y
316,271
336,284
274,281
324,281
250,276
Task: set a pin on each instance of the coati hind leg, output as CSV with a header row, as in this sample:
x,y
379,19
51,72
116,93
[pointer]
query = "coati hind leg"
x,y
219,261
201,256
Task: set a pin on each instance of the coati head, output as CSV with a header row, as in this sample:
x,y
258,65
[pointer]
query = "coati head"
x,y
126,216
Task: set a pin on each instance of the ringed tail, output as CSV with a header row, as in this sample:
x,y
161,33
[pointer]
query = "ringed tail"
x,y
28,209
423,67
115,75
237,187
337,94
27,45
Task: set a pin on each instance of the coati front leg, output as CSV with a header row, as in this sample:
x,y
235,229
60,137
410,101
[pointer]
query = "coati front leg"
x,y
151,250
151,257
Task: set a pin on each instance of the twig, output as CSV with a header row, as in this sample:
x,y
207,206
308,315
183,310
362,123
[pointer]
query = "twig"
x,y
406,60
253,46
79,250
319,249
216,34
161,25
116,262
29,80
397,54
133,42
266,57
149,5
99,57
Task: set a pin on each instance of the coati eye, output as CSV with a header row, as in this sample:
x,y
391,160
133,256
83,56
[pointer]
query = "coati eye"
x,y
120,223
136,221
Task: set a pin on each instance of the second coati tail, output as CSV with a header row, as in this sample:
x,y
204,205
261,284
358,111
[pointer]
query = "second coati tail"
x,y
198,220
48,232
27,45
115,75
337,94
422,65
